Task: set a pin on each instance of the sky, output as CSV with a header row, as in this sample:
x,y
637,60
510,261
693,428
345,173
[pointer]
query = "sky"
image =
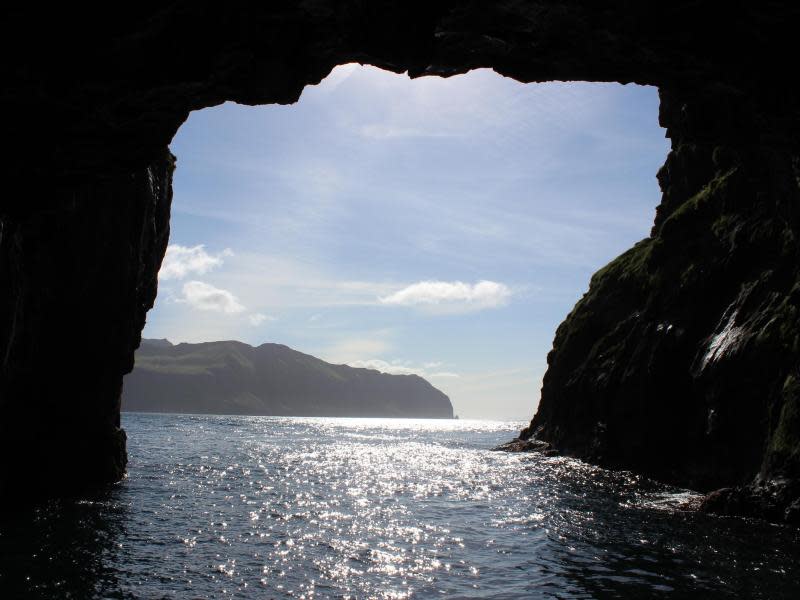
x,y
442,227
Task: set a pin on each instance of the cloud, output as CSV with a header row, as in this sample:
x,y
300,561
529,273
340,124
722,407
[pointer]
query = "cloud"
x,y
275,282
388,132
257,319
353,348
180,261
450,295
399,368
384,367
204,296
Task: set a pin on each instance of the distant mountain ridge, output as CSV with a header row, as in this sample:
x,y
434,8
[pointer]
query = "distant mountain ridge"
x,y
230,377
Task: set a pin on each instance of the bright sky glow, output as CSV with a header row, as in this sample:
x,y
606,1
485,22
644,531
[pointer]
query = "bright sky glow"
x,y
442,227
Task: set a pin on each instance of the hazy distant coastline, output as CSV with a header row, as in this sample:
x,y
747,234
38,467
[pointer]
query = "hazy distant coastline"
x,y
230,377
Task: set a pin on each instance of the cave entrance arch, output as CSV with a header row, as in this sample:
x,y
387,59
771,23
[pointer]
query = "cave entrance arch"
x,y
384,202
80,252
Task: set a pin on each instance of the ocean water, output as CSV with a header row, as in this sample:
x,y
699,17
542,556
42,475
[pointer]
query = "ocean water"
x,y
255,507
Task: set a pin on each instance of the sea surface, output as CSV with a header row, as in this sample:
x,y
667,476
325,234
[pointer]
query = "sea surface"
x,y
257,507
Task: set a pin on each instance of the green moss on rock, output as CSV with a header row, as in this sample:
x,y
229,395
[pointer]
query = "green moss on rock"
x,y
631,266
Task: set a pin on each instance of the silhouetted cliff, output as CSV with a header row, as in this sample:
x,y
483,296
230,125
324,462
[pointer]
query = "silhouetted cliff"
x,y
271,379
681,360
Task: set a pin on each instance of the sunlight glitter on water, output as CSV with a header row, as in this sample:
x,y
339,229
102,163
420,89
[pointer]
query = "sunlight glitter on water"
x,y
249,507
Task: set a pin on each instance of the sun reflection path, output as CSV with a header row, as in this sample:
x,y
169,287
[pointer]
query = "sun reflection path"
x,y
250,507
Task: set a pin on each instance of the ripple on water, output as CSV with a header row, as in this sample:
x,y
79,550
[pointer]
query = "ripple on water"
x,y
249,507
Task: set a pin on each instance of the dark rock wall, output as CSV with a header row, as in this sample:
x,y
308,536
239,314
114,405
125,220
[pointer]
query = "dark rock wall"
x,y
679,362
79,274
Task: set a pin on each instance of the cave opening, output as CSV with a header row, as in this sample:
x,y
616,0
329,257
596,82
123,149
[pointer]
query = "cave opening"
x,y
680,364
435,226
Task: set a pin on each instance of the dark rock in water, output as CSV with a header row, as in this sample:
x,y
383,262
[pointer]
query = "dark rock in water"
x,y
683,359
524,445
777,500
272,379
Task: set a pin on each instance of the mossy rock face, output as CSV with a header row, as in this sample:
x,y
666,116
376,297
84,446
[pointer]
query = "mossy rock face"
x,y
682,360
631,267
783,453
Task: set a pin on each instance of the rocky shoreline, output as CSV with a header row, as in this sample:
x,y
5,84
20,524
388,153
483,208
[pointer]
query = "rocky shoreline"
x,y
774,501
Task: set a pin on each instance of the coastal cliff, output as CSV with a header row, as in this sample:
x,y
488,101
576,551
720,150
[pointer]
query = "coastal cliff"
x,y
681,360
235,378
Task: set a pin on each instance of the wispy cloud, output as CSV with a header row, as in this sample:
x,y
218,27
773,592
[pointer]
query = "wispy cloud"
x,y
181,261
270,283
257,319
377,364
397,367
510,392
354,347
205,296
451,296
380,131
